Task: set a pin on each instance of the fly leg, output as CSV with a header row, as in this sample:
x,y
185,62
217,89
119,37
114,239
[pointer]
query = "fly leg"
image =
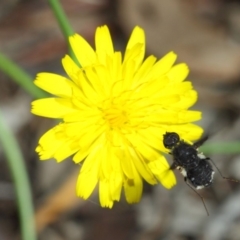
x,y
186,181
200,142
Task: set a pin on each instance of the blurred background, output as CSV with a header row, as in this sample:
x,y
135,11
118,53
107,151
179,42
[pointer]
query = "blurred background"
x,y
206,35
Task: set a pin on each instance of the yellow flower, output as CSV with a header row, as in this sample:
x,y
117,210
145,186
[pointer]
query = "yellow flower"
x,y
114,113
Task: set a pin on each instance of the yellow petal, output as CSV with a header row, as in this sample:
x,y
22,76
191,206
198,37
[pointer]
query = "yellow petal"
x,y
116,184
145,142
89,174
157,134
105,78
133,188
143,71
137,36
138,161
163,116
163,65
179,88
52,107
104,194
110,183
66,150
96,82
71,68
173,117
137,39
82,128
88,116
88,144
143,169
115,72
106,162
178,73
87,88
82,50
128,73
86,183
50,142
135,54
81,154
125,162
190,132
103,42
161,170
93,160
186,100
189,116
54,84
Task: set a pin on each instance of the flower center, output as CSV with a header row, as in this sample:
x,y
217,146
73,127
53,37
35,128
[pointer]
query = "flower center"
x,y
115,115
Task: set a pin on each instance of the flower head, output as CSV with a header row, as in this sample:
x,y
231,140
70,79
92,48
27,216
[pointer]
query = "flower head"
x,y
115,111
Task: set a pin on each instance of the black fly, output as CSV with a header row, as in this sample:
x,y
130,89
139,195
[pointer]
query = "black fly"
x,y
193,165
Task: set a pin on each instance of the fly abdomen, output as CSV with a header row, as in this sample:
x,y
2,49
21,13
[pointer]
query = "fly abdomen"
x,y
201,176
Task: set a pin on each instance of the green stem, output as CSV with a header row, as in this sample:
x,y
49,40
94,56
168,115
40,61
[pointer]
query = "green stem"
x,y
61,18
63,24
21,181
20,77
221,148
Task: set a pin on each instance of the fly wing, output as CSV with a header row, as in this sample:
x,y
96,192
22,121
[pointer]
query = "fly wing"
x,y
161,169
